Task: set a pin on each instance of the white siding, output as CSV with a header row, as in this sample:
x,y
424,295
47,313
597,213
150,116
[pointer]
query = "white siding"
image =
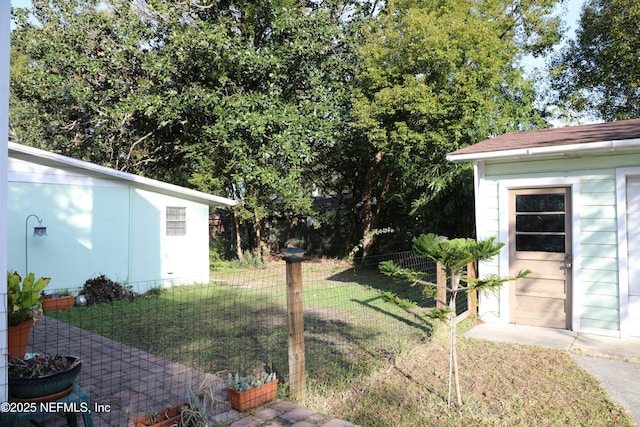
x,y
488,225
596,299
633,242
100,225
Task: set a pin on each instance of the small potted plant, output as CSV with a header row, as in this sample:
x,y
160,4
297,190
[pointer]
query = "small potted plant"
x,y
251,391
40,375
23,305
62,299
169,416
202,403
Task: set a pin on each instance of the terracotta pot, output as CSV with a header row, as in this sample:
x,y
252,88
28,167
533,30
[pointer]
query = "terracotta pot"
x,y
18,338
245,400
165,417
61,303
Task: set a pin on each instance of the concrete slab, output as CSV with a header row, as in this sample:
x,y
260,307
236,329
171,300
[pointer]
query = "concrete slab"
x,y
618,377
627,349
529,335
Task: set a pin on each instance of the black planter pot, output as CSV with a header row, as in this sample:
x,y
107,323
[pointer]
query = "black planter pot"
x,y
30,388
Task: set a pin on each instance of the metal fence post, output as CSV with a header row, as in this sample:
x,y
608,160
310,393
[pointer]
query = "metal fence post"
x,y
295,316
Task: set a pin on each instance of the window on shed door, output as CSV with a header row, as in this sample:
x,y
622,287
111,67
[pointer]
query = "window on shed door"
x,y
540,222
176,221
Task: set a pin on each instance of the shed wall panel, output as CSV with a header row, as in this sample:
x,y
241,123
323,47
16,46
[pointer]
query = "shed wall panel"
x,y
598,233
598,211
595,287
606,251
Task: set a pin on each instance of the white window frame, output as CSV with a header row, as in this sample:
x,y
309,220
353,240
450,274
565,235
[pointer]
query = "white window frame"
x,y
176,221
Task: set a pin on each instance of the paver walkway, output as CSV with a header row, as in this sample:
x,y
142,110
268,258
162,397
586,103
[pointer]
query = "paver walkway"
x,y
131,381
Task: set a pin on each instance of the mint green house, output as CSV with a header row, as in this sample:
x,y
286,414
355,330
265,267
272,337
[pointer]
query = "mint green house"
x,y
103,221
566,202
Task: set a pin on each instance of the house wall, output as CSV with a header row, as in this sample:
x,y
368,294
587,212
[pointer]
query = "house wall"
x,y
85,237
175,259
99,226
596,296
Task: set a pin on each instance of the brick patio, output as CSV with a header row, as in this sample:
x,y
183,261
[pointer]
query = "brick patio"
x,y
132,382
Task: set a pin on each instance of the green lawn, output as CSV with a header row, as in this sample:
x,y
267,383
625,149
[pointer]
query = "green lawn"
x,y
368,361
239,321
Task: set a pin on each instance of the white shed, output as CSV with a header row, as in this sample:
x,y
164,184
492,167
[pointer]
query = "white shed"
x,y
566,202
103,221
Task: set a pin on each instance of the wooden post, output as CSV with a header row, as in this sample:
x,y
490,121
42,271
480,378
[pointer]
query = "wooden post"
x,y
441,282
297,373
472,295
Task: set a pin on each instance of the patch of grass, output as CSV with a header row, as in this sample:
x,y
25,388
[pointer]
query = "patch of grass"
x,y
239,320
502,385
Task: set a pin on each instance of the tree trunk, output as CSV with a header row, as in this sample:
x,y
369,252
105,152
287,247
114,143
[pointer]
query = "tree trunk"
x,y
369,236
236,223
367,206
258,234
370,217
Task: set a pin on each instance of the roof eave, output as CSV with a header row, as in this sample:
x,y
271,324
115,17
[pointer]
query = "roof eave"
x,y
125,176
608,146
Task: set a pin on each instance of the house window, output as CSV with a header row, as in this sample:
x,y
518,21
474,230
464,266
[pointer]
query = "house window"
x,y
176,221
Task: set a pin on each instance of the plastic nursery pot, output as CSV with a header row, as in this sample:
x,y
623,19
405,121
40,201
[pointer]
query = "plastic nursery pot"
x,y
244,400
163,418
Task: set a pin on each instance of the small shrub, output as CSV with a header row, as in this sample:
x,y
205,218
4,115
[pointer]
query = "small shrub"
x,y
236,382
249,260
102,289
154,292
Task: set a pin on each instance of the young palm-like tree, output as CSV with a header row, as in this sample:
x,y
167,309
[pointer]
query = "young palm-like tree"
x,y
454,255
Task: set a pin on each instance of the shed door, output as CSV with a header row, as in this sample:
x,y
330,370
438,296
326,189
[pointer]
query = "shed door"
x,y
633,256
540,240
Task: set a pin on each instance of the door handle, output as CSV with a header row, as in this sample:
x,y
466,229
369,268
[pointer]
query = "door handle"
x,y
567,261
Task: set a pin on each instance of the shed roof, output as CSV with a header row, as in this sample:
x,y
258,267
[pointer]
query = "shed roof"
x,y
601,136
35,155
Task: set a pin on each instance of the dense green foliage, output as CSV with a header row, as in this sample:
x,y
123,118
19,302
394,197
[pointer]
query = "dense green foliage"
x,y
265,101
88,89
435,77
599,71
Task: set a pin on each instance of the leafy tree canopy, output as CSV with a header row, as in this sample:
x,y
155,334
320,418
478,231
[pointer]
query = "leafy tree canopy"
x,y
598,72
263,99
87,91
435,77
243,97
